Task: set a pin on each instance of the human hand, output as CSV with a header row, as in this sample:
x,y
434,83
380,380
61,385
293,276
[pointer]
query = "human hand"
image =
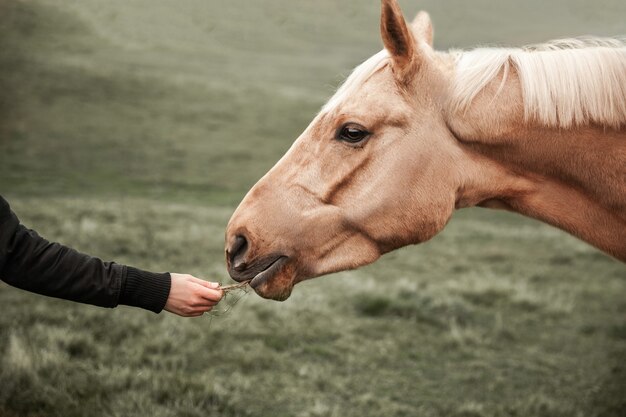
x,y
191,296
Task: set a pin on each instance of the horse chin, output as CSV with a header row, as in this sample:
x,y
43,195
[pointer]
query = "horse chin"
x,y
273,291
276,287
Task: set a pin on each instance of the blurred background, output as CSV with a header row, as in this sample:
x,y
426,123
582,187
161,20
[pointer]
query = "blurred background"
x,y
130,130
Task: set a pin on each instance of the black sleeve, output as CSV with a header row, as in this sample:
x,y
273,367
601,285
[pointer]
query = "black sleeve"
x,y
30,262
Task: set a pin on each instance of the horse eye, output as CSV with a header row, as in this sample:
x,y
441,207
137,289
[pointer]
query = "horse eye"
x,y
352,133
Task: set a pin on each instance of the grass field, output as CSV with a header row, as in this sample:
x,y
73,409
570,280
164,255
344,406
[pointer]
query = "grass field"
x,y
130,130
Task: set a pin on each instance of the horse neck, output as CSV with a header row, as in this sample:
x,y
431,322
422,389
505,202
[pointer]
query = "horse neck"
x,y
574,179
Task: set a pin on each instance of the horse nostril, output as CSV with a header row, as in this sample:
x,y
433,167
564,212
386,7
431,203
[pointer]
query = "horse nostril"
x,y
240,266
237,253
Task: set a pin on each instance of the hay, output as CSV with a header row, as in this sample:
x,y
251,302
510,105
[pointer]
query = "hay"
x,y
231,287
233,293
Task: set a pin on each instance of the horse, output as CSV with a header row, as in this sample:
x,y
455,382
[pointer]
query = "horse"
x,y
414,134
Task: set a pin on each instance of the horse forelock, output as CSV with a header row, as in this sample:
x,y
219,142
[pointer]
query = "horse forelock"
x,y
358,76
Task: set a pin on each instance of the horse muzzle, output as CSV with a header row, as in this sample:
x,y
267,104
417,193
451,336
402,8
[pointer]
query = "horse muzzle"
x,y
269,275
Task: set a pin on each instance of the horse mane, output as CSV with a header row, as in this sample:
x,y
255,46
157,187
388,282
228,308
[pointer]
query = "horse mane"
x,y
564,83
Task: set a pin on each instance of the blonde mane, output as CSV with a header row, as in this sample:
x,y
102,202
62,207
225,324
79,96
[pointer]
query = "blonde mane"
x,y
564,83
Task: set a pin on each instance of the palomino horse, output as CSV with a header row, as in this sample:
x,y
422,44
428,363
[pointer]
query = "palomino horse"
x,y
414,134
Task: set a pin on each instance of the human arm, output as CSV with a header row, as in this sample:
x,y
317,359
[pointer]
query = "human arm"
x,y
30,262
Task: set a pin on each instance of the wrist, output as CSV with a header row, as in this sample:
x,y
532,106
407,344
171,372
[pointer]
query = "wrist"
x,y
144,289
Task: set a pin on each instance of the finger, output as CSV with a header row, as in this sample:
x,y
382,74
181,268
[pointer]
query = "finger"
x,y
204,303
207,284
203,309
191,311
210,293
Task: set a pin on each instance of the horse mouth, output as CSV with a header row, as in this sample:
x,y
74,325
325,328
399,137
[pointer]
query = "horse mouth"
x,y
270,277
269,271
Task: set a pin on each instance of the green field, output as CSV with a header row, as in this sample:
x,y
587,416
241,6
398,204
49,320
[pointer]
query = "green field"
x,y
131,129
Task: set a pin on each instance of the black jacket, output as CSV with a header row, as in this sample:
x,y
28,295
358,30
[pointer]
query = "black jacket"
x,y
30,262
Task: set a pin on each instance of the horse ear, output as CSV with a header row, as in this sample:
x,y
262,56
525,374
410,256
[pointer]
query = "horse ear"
x,y
423,28
398,40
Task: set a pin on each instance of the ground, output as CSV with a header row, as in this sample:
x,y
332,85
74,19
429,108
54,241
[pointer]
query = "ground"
x,y
131,130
